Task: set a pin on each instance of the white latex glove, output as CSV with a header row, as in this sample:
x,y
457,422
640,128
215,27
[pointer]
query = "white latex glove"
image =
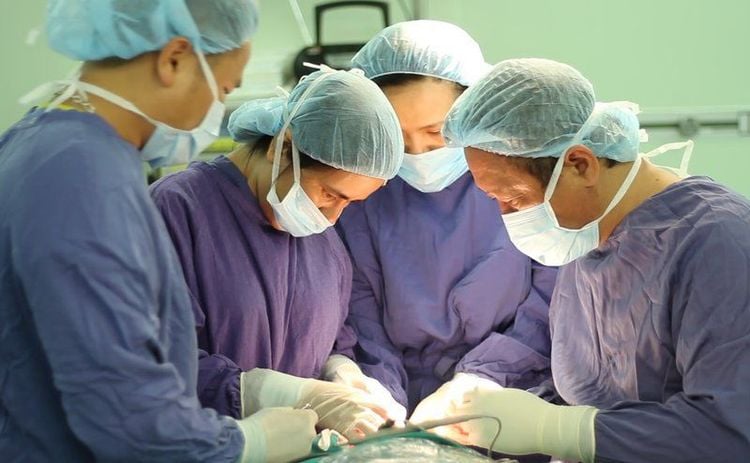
x,y
438,405
341,408
341,369
529,425
277,435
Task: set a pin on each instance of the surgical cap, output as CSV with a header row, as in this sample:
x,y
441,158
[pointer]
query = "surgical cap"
x,y
90,30
257,118
539,108
424,47
343,120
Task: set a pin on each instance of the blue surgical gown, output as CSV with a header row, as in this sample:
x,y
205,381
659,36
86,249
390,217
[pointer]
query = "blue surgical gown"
x,y
439,288
654,329
98,360
261,297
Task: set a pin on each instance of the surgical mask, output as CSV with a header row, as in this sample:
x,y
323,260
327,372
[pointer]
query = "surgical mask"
x,y
167,145
537,233
296,213
435,170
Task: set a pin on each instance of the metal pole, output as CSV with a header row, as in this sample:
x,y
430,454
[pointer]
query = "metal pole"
x,y
420,9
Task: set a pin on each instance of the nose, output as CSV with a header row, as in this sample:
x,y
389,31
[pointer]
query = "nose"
x,y
333,213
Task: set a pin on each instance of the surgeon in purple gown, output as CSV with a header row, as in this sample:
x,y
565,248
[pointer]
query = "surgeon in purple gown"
x,y
441,299
270,279
650,319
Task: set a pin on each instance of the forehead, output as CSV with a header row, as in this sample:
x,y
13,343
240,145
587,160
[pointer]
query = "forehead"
x,y
500,174
351,185
233,61
421,102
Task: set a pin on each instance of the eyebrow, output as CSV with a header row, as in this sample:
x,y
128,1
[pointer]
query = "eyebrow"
x,y
441,122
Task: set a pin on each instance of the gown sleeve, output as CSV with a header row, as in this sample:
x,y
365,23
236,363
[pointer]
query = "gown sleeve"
x,y
518,355
346,339
218,376
88,256
374,351
709,420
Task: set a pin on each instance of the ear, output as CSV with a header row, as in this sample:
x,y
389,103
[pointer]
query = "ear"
x,y
172,59
272,149
286,149
585,165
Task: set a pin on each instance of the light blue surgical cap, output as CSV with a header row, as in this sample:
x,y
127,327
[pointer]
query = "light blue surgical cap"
x,y
257,118
423,47
90,30
344,121
539,108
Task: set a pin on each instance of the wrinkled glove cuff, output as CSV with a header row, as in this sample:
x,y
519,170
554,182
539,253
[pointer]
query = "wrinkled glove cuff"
x,y
254,450
261,388
568,433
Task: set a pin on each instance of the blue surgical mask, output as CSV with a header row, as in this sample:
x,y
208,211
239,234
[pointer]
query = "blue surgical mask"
x,y
296,213
435,170
537,233
167,145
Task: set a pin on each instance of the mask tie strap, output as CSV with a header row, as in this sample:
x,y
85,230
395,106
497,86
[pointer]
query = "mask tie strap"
x,y
624,187
577,138
118,100
37,94
687,146
280,140
550,190
210,78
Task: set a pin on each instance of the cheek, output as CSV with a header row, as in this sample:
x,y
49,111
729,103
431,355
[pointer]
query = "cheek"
x,y
534,195
333,211
573,209
193,106
483,182
313,192
316,193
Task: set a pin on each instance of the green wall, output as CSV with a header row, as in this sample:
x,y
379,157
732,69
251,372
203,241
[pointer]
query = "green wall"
x,y
24,66
670,56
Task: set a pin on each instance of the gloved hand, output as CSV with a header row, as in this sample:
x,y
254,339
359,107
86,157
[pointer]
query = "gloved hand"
x,y
529,424
437,405
277,435
342,370
341,408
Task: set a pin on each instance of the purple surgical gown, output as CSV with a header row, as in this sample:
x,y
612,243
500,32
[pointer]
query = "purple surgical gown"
x,y
261,297
439,288
97,348
653,328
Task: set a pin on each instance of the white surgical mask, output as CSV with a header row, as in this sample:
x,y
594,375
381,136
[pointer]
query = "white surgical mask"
x,y
435,170
296,213
167,145
537,233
